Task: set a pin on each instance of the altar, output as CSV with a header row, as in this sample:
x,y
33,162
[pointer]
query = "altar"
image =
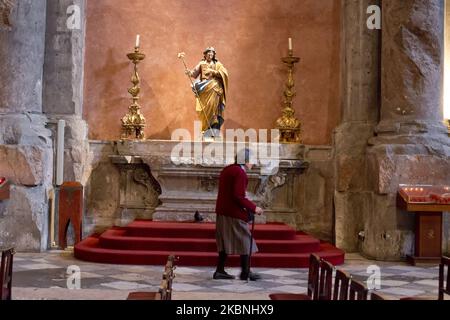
x,y
172,180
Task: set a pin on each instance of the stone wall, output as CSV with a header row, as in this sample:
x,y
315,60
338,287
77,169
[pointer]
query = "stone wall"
x,y
63,82
26,154
315,213
101,190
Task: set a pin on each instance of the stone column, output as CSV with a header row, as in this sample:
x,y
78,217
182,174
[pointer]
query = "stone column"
x,y
360,104
413,61
25,143
411,146
63,81
63,86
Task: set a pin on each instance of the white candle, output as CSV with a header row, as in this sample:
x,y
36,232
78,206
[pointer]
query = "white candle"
x,y
60,153
138,41
290,43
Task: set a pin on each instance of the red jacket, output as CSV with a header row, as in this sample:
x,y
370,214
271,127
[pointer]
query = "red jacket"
x,y
231,200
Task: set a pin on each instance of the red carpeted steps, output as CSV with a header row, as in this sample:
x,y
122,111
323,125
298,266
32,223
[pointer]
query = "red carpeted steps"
x,y
145,228
149,243
118,239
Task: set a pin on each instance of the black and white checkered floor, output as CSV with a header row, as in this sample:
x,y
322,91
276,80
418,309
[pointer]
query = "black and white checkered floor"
x,y
48,276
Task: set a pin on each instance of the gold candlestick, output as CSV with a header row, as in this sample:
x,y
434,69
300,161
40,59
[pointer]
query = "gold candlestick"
x,y
133,123
289,126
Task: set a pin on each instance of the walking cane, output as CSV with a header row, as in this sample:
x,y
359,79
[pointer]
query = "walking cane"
x,y
251,245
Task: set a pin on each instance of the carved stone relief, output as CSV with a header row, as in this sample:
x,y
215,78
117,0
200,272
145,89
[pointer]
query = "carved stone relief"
x,y
208,184
142,176
266,187
6,7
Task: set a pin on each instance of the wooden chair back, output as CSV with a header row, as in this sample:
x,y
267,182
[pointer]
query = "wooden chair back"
x,y
326,280
6,271
341,284
168,277
444,288
358,291
165,289
313,283
313,276
376,296
171,261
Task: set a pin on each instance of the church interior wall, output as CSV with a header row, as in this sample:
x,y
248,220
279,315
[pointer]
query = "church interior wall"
x,y
338,104
250,38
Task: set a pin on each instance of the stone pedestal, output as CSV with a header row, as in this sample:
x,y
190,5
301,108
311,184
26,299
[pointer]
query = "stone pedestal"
x,y
171,188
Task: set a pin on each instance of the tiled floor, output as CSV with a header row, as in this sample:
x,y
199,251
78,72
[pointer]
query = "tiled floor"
x,y
46,276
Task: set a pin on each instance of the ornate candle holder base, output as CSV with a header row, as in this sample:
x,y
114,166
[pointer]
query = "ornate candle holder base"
x,y
290,136
133,123
289,126
132,132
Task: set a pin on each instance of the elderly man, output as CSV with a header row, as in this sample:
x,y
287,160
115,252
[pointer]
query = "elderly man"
x,y
234,212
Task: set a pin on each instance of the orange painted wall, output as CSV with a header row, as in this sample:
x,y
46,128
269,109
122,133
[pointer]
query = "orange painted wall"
x,y
250,38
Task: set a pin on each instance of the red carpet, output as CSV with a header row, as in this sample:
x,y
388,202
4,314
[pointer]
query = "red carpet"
x,y
149,243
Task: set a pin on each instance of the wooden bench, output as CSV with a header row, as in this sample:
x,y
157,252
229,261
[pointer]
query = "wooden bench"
x,y
326,280
6,271
444,288
341,284
165,289
358,291
313,283
163,293
376,296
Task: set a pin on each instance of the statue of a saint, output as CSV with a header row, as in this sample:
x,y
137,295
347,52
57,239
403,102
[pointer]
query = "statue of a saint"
x,y
211,91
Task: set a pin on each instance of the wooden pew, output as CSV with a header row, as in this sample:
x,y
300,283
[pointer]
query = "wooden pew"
x,y
165,289
358,291
444,288
6,271
376,296
313,283
326,280
341,284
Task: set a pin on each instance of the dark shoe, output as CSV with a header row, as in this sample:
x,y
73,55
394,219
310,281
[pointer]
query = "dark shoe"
x,y
251,276
222,276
